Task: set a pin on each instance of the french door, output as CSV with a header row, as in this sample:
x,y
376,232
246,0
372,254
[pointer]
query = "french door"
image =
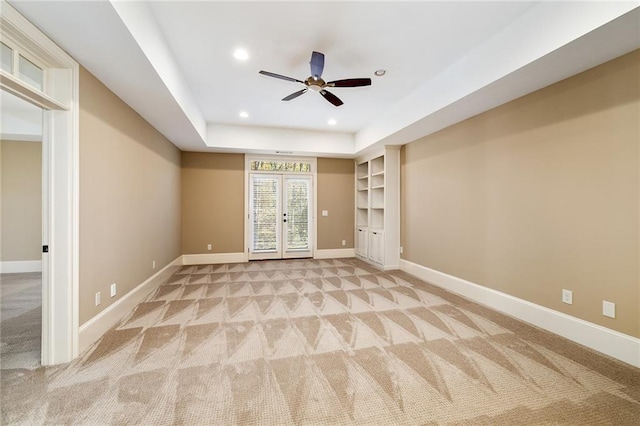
x,y
280,216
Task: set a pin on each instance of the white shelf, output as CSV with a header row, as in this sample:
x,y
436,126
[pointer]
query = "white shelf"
x,y
378,221
377,181
376,166
362,200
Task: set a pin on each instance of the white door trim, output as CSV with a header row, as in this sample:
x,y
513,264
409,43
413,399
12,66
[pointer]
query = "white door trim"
x,y
60,308
283,217
248,158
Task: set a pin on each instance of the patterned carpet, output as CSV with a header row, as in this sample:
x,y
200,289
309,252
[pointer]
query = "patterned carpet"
x,y
321,342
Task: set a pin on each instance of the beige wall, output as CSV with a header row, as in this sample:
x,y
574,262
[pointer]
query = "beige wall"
x,y
212,202
21,215
538,195
336,194
129,197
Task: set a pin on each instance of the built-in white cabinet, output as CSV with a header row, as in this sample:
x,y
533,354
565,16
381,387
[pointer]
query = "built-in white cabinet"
x,y
362,238
376,246
378,208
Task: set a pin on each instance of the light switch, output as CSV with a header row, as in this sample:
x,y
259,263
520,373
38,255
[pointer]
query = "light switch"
x,y
325,212
608,309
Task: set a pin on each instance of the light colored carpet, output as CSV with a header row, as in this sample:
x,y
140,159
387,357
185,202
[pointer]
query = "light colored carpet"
x,y
321,342
20,320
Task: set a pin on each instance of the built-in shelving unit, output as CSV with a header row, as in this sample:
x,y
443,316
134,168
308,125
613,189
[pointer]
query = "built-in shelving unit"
x,y
362,194
378,208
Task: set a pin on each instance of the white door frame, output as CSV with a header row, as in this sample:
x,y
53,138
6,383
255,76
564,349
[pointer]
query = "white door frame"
x,y
248,158
282,220
60,141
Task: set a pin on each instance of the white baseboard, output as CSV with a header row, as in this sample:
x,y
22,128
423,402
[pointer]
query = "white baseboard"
x,y
20,266
93,329
377,265
334,253
610,342
214,258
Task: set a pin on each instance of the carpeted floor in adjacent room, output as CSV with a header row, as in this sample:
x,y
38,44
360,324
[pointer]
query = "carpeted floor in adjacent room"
x,y
20,320
321,342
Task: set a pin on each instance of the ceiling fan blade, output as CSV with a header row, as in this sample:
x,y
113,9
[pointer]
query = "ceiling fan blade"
x,y
331,97
350,82
281,77
317,64
295,95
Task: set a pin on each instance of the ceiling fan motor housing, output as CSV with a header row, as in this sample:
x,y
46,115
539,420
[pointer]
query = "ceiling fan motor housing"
x,y
316,84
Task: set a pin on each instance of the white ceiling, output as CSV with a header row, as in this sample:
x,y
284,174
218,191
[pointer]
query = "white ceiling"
x,y
356,38
172,61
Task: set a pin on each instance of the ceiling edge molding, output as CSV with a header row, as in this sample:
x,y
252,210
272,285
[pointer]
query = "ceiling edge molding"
x,y
20,137
268,140
138,19
485,72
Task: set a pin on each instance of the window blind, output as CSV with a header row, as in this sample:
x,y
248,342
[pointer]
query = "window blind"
x,y
297,191
265,213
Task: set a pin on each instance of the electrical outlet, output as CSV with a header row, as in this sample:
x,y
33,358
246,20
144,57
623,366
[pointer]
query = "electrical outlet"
x,y
325,212
98,297
344,242
401,250
113,290
608,309
153,265
567,297
209,247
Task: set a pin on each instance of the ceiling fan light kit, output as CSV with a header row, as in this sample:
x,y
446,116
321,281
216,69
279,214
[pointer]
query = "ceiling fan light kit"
x,y
317,84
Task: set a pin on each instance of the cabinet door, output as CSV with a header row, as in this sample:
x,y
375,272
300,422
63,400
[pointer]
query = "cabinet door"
x,y
361,242
376,247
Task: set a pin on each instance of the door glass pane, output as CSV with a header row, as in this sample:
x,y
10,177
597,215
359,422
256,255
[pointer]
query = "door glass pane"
x,y
265,213
7,58
297,213
30,73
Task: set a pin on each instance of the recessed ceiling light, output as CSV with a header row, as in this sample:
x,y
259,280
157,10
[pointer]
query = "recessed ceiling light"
x,y
244,114
332,122
380,73
241,54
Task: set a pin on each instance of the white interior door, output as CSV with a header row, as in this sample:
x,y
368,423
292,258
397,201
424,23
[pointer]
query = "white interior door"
x,y
280,216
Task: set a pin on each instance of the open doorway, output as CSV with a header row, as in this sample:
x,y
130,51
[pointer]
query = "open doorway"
x,y
38,71
21,222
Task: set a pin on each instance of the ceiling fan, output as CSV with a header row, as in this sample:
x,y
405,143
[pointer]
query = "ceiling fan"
x,y
316,83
